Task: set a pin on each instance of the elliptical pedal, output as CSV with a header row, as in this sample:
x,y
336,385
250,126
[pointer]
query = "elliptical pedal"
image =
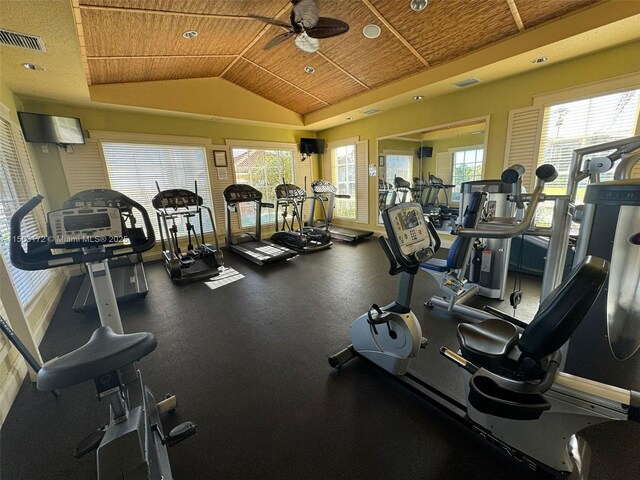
x,y
177,434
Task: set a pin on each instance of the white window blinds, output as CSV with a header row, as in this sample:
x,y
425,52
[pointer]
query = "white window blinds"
x,y
581,123
17,184
134,169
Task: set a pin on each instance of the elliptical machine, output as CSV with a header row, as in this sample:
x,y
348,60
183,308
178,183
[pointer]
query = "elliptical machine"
x,y
515,397
196,263
132,446
305,239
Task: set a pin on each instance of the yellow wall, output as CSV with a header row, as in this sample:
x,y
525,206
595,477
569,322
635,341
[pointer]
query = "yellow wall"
x,y
494,99
38,313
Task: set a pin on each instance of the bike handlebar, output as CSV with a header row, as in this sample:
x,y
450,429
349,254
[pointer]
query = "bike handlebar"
x,y
41,257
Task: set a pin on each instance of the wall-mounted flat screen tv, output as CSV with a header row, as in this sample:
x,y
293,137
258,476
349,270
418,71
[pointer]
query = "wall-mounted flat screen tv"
x,y
309,146
40,128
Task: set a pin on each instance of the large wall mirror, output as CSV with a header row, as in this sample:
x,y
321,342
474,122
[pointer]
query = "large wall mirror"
x,y
444,154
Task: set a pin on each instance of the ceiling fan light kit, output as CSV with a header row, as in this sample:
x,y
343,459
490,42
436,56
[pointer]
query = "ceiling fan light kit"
x,y
418,5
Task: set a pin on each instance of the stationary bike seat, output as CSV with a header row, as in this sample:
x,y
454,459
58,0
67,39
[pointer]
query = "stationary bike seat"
x,y
105,352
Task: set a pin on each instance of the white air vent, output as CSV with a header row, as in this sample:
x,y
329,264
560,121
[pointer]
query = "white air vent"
x,y
22,40
371,111
466,82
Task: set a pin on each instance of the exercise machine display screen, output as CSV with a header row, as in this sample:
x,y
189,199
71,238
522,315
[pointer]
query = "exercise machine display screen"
x,y
409,228
85,226
90,221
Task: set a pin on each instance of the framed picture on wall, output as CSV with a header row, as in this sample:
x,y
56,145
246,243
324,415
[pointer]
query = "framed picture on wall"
x,y
220,158
381,161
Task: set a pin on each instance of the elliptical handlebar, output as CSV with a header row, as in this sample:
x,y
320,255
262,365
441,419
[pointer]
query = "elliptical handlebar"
x,y
40,256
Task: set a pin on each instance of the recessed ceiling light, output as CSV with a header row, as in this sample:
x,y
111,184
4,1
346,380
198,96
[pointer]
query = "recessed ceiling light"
x,y
540,60
309,69
418,5
371,31
418,97
32,66
190,34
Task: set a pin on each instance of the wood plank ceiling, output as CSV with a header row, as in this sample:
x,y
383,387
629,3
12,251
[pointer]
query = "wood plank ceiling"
x,y
141,40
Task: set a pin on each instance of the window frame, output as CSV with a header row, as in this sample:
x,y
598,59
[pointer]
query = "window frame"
x,y
456,195
249,213
353,200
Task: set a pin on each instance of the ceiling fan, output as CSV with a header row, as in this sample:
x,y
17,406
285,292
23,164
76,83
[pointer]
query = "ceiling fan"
x,y
306,26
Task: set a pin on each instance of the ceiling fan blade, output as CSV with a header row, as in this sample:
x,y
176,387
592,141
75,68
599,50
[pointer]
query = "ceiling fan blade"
x,y
271,21
283,37
328,27
305,12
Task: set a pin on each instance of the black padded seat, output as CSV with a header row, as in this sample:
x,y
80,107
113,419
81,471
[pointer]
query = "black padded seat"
x,y
491,338
105,352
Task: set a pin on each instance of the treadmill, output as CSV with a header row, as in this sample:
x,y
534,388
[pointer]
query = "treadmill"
x,y
325,191
127,271
247,244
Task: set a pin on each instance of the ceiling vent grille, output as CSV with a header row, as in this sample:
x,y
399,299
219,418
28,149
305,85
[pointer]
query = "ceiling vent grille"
x,y
466,82
371,111
21,40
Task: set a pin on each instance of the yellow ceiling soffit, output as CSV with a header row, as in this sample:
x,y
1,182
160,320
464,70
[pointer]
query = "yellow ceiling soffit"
x,y
203,96
602,26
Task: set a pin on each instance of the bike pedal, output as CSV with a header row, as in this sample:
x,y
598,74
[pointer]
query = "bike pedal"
x,y
424,342
90,442
180,433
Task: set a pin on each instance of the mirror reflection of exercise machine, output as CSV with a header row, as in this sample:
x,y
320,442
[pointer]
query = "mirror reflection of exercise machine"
x,y
250,244
401,191
292,233
127,271
515,396
194,263
132,446
326,194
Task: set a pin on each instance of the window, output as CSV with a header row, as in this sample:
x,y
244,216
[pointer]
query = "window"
x,y
581,123
466,166
14,192
263,169
399,165
344,177
134,169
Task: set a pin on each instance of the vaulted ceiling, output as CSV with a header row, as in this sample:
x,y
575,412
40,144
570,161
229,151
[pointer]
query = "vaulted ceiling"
x,y
131,54
141,40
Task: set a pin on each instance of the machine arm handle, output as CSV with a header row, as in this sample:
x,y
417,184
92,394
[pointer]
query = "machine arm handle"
x,y
19,258
151,235
340,195
394,268
544,173
267,205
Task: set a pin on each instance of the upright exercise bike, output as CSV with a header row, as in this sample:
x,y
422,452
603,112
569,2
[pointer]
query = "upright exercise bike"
x,y
516,397
133,445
